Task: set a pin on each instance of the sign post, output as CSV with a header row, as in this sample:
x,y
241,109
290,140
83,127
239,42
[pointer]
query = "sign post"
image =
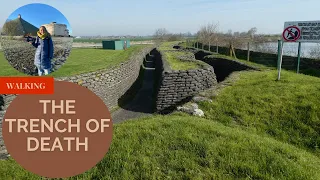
x,y
280,58
299,31
279,53
299,55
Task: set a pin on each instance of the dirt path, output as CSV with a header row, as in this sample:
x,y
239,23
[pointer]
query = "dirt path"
x,y
142,103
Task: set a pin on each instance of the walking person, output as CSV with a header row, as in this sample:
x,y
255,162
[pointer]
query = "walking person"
x,y
44,53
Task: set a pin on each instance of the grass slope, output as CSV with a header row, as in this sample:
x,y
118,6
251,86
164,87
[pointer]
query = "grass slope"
x,y
185,147
288,110
177,64
81,61
172,56
6,69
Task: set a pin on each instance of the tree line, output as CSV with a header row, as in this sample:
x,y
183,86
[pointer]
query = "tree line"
x,y
209,34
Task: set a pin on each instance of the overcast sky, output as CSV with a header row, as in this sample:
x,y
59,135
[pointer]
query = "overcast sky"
x,y
143,17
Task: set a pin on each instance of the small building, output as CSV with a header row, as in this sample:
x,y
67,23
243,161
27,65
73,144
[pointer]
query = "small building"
x,y
117,44
57,30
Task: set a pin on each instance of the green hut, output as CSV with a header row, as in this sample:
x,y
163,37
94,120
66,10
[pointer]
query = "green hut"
x,y
118,44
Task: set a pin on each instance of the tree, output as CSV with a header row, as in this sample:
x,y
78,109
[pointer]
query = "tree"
x,y
11,28
161,34
236,34
252,32
243,34
208,34
188,34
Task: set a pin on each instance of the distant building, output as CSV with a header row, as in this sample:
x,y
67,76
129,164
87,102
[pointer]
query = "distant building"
x,y
58,30
116,44
19,27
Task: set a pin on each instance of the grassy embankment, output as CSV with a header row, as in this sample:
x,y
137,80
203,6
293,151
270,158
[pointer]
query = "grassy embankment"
x,y
257,128
80,61
288,110
171,55
184,147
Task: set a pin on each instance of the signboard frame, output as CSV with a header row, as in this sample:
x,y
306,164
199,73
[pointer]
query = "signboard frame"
x,y
305,31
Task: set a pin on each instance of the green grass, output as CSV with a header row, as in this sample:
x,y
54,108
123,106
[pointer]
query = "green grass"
x,y
185,147
100,40
288,110
177,64
89,60
257,128
6,69
81,61
168,45
172,54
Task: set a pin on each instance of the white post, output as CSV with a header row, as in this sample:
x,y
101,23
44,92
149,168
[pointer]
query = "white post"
x,y
280,63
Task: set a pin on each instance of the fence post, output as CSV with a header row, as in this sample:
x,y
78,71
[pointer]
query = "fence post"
x,y
299,55
234,52
248,56
217,48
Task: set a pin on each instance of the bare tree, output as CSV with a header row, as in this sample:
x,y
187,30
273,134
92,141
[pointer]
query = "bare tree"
x,y
236,34
160,34
252,32
208,34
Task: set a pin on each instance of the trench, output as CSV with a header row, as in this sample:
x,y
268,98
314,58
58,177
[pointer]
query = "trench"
x,y
139,100
223,68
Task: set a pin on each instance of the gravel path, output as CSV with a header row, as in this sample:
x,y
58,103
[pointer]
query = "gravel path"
x,y
142,104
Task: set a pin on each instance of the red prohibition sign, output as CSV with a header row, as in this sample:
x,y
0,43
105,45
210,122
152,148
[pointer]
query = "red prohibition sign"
x,y
295,37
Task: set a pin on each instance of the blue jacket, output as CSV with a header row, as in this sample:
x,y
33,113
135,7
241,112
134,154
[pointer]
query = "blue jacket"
x,y
44,52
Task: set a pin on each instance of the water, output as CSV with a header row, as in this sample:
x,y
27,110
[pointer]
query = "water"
x,y
310,50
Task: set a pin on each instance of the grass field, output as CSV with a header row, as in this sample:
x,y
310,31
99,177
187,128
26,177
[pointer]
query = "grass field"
x,y
255,128
172,55
184,147
100,40
288,110
81,61
177,64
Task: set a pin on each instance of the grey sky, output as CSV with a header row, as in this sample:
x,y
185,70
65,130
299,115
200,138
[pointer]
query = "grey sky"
x,y
143,17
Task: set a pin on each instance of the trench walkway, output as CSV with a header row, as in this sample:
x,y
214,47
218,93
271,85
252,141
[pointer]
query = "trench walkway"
x,y
142,103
